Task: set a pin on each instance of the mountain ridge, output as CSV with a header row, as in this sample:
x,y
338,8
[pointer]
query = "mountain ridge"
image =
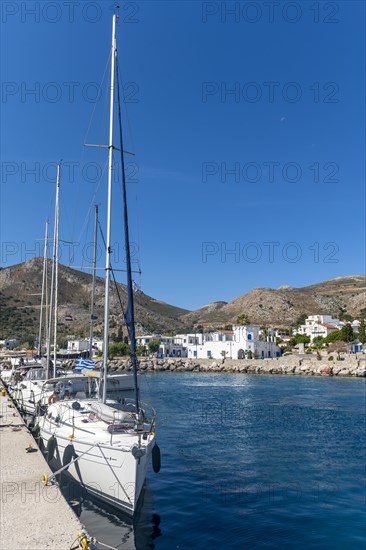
x,y
20,297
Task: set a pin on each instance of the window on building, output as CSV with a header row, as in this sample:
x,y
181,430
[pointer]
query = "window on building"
x,y
208,353
249,336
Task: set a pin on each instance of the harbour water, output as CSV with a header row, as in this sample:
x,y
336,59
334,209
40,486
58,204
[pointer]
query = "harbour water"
x,y
257,462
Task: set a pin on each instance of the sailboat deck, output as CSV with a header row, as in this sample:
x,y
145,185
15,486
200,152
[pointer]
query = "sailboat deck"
x,y
85,425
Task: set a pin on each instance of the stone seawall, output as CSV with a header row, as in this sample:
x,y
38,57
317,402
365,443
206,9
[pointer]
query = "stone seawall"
x,y
348,366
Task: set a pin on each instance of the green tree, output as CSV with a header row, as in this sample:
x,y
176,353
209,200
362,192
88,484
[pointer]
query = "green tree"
x,y
302,339
334,336
362,334
343,316
347,333
154,345
362,314
62,343
243,320
264,333
140,350
318,342
301,319
119,336
118,349
224,354
29,340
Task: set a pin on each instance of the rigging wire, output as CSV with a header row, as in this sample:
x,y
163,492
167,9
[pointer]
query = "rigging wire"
x,y
95,103
137,209
113,275
93,199
82,160
129,316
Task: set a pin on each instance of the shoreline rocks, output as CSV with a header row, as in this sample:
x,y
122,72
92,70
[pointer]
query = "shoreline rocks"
x,y
349,366
294,365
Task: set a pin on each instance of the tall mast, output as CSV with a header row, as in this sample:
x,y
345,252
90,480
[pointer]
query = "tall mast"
x,y
93,285
53,270
43,290
56,273
108,241
46,295
130,312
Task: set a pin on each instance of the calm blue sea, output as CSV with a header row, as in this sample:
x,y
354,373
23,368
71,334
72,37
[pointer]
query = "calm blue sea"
x,y
248,462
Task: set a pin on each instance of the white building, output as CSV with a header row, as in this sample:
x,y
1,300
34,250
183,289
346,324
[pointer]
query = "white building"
x,y
319,325
234,344
322,325
83,345
170,346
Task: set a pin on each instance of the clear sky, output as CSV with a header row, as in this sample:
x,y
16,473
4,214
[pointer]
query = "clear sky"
x,y
247,120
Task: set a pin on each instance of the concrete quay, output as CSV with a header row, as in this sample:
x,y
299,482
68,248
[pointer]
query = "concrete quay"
x,y
32,515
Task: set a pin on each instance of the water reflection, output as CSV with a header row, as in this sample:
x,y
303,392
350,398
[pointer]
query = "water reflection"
x,y
110,526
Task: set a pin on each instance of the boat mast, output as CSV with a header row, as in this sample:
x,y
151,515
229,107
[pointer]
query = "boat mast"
x,y
93,285
53,271
56,275
108,238
130,312
43,289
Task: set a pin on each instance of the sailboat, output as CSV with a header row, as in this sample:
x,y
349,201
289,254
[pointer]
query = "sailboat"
x,y
105,445
30,391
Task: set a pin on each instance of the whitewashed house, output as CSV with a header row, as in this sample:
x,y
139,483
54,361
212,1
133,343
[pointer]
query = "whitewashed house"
x,y
238,343
81,345
170,346
318,325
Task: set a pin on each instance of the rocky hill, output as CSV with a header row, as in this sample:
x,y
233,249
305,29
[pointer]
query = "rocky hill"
x,y
282,307
20,297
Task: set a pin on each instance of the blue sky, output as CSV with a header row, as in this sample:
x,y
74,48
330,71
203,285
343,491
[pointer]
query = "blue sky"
x,y
247,123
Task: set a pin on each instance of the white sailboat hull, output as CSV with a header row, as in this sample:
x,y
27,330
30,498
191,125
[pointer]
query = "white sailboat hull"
x,y
111,467
110,474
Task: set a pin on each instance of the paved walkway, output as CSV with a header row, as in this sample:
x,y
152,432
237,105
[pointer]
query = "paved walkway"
x,y
32,515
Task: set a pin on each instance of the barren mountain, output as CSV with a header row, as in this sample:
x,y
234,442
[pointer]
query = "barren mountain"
x,y
282,307
20,298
